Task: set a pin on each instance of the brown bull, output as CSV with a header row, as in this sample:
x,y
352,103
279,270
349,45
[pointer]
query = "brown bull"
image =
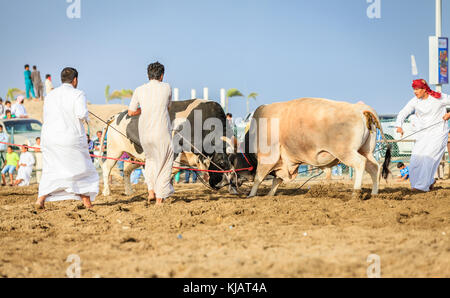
x,y
317,132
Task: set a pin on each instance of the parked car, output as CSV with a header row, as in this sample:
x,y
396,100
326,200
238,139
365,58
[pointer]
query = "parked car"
x,y
22,130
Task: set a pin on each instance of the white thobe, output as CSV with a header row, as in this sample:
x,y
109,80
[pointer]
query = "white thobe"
x,y
67,169
24,172
430,142
18,110
155,135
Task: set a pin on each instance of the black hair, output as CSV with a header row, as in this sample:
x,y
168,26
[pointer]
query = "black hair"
x,y
7,112
7,102
47,76
400,165
229,114
34,67
25,146
26,65
155,71
68,74
10,147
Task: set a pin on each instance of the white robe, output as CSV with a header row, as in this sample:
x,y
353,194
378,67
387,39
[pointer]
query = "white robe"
x,y
67,169
24,172
18,110
155,135
430,143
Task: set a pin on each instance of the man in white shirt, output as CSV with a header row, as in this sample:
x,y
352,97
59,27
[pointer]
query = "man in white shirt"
x,y
67,170
48,84
18,109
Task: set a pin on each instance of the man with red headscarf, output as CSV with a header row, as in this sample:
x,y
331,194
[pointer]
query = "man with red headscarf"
x,y
432,133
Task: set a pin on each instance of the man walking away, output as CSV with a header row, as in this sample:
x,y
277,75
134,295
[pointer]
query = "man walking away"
x,y
37,82
67,169
155,134
28,82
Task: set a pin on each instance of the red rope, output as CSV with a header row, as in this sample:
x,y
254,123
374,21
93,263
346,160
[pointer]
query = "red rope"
x,y
141,163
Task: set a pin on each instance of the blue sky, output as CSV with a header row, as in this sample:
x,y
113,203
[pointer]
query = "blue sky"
x,y
283,49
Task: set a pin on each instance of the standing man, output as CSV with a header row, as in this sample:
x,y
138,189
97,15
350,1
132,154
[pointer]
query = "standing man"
x,y
155,135
37,82
38,158
28,82
3,139
48,84
67,170
432,136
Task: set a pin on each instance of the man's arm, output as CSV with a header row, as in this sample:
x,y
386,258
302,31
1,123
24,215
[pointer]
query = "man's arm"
x,y
133,108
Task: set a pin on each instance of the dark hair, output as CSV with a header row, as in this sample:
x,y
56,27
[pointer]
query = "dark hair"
x,y
155,71
25,146
1,99
400,164
229,114
68,74
47,76
34,67
7,102
26,65
10,147
38,138
8,111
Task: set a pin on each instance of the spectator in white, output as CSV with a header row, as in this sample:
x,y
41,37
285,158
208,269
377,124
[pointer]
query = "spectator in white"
x,y
7,107
26,163
67,170
18,108
2,107
48,84
38,157
4,138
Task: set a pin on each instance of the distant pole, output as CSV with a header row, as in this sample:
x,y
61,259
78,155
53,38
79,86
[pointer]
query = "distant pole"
x,y
438,30
222,98
176,94
205,93
193,94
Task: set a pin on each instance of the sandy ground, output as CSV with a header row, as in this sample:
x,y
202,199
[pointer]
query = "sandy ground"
x,y
318,231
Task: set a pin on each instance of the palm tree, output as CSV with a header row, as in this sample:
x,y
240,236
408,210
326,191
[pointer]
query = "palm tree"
x,y
13,92
233,92
251,95
118,94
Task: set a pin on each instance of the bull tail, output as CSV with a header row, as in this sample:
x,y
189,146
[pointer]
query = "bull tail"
x,y
371,121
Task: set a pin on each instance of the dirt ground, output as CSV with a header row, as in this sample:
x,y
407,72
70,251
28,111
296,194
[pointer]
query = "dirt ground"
x,y
318,231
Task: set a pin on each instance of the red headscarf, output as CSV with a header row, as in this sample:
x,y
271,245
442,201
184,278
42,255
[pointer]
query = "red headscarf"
x,y
422,84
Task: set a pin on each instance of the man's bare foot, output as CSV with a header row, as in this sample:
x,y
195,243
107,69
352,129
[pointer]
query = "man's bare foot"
x,y
151,196
40,203
87,202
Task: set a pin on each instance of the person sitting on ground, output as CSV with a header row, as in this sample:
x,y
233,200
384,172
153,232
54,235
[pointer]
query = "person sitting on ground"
x,y
8,115
18,108
12,160
26,163
404,172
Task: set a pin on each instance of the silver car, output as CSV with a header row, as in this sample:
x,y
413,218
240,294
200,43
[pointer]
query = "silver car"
x,y
22,131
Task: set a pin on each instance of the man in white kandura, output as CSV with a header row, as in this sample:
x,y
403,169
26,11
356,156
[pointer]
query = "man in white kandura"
x,y
26,163
155,131
67,171
431,123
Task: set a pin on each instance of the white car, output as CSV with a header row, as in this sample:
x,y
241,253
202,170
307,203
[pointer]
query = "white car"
x,y
22,131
